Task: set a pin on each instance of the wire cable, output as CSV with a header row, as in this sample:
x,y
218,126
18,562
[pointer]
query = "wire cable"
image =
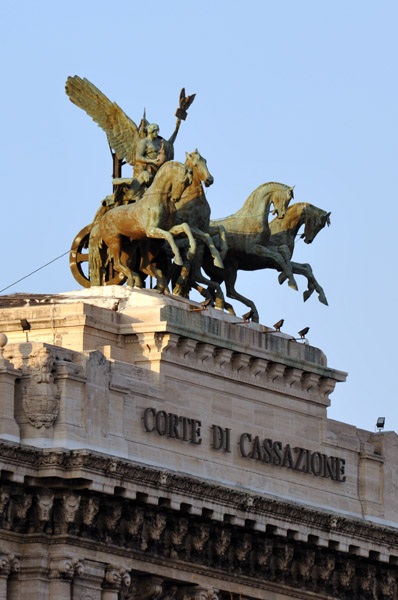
x,y
35,271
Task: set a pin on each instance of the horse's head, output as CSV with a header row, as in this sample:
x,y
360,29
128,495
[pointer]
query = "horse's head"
x,y
181,182
315,220
281,198
196,162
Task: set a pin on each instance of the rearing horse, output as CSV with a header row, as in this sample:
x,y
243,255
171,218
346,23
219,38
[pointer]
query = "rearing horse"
x,y
151,217
284,233
194,209
248,235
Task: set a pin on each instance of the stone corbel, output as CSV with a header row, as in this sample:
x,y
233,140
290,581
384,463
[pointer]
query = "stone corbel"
x,y
326,386
240,362
187,347
310,382
275,372
258,366
170,343
70,506
147,344
44,510
387,585
293,377
222,357
204,352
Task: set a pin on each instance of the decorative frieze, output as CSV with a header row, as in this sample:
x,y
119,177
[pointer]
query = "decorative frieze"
x,y
235,365
162,533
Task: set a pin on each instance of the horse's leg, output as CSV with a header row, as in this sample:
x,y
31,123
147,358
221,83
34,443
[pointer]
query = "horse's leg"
x,y
128,258
94,256
282,263
208,240
306,270
182,285
185,228
230,276
150,269
157,233
213,286
114,253
220,231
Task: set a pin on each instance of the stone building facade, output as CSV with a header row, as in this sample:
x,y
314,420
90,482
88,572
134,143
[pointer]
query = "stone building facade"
x,y
150,450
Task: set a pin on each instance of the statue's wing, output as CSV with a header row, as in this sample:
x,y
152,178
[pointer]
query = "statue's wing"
x,y
121,131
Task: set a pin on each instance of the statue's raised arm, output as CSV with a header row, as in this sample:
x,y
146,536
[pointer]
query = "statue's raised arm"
x,y
121,131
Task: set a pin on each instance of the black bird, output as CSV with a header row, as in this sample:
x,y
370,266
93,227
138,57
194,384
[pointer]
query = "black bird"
x,y
249,315
278,325
206,302
303,332
25,325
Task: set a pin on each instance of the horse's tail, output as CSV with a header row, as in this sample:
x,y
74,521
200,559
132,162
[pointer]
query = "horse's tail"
x,y
94,256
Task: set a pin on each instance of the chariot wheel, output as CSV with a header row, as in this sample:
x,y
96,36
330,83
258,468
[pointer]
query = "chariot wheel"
x,y
78,262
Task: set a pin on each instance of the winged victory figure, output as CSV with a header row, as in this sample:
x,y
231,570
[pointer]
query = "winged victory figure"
x,y
142,146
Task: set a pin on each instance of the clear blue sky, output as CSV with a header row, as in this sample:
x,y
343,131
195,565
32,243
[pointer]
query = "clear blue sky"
x,y
304,93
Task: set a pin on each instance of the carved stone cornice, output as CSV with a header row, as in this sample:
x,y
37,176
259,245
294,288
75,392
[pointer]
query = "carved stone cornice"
x,y
88,465
223,549
238,366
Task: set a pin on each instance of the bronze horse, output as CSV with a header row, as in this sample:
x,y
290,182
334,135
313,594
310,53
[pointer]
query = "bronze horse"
x,y
314,219
281,241
151,217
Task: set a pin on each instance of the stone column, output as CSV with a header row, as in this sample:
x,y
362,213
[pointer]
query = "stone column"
x,y
9,429
91,583
8,564
115,579
62,573
32,581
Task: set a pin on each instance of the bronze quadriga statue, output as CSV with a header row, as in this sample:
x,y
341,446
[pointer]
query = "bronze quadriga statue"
x,y
157,223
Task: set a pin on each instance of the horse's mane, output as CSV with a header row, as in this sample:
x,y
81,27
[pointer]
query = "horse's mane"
x,y
294,211
256,196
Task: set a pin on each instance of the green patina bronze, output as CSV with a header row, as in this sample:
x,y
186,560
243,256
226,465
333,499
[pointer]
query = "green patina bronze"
x,y
157,223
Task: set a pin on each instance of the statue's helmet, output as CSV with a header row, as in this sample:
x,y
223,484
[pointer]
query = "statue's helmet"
x,y
152,127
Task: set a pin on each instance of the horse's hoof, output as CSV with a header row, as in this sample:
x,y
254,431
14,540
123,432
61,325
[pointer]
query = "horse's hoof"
x,y
306,295
293,285
281,278
178,261
322,299
218,263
